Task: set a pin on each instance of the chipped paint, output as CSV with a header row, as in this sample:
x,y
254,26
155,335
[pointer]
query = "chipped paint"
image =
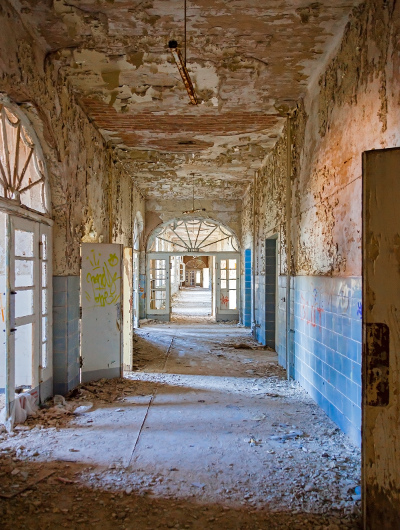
x,y
80,165
115,57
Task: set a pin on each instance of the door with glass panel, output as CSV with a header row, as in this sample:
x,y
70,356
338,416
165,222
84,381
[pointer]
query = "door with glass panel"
x,y
227,276
158,303
135,296
30,303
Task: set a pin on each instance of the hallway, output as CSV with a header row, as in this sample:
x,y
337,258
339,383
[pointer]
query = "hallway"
x,y
206,433
190,302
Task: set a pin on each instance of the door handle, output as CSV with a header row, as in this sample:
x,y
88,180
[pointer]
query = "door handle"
x,y
12,330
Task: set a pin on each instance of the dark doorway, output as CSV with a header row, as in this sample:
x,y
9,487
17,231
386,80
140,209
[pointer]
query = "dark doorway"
x,y
270,292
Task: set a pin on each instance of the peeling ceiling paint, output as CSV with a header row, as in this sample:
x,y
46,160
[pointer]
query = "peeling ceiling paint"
x,y
248,60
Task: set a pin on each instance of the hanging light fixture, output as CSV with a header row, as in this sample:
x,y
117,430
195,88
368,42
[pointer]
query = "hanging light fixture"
x,y
181,63
193,210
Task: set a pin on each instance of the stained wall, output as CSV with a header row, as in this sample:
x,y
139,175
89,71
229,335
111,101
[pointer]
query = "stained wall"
x,y
353,106
93,197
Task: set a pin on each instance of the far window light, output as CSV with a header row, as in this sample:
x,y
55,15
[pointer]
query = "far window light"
x,y
22,174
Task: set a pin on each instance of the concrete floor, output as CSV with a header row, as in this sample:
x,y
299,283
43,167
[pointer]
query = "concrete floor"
x,y
204,434
190,303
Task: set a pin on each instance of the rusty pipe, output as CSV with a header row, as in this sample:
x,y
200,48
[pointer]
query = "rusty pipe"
x,y
180,63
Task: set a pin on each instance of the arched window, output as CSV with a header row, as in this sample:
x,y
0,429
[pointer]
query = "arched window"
x,y
22,171
192,235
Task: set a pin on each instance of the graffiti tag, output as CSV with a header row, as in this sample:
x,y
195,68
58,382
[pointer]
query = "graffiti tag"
x,y
224,300
311,313
103,280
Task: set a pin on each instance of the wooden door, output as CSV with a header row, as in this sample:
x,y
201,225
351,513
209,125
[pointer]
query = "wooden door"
x,y
101,294
227,277
381,340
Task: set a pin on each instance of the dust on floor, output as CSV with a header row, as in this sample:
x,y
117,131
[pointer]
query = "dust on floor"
x,y
192,304
206,433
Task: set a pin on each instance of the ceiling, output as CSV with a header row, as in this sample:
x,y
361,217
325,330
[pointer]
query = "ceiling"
x,y
249,60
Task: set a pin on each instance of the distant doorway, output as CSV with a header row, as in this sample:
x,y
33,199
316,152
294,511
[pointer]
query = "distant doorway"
x,y
192,254
192,302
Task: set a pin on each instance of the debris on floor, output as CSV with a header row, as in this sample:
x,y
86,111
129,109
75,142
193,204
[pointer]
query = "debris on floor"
x,y
189,441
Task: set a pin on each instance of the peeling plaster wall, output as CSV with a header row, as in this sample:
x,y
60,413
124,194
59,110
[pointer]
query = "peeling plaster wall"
x,y
90,190
354,106
93,198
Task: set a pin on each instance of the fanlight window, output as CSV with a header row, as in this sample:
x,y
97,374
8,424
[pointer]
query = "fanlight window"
x,y
22,174
197,235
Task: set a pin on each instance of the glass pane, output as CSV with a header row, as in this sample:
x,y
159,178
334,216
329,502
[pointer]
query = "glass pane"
x,y
44,274
44,355
23,303
157,299
24,243
158,274
157,284
158,264
23,273
224,299
223,284
223,263
232,274
44,246
232,284
232,299
223,274
44,301
44,328
232,264
23,355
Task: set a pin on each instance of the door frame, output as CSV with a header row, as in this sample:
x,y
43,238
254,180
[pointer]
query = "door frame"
x,y
226,314
44,390
135,287
159,314
213,256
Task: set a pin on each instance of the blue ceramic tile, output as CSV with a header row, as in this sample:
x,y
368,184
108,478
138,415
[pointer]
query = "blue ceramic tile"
x,y
59,299
59,283
356,330
59,343
59,314
356,373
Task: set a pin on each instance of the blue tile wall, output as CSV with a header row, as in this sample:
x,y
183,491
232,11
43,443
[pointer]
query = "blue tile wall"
x,y
66,333
327,346
247,289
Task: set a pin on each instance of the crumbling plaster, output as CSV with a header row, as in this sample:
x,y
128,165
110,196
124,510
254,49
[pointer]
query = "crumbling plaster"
x,y
249,61
354,106
92,194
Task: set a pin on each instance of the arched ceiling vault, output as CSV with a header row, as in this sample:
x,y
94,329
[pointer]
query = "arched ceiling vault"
x,y
249,62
